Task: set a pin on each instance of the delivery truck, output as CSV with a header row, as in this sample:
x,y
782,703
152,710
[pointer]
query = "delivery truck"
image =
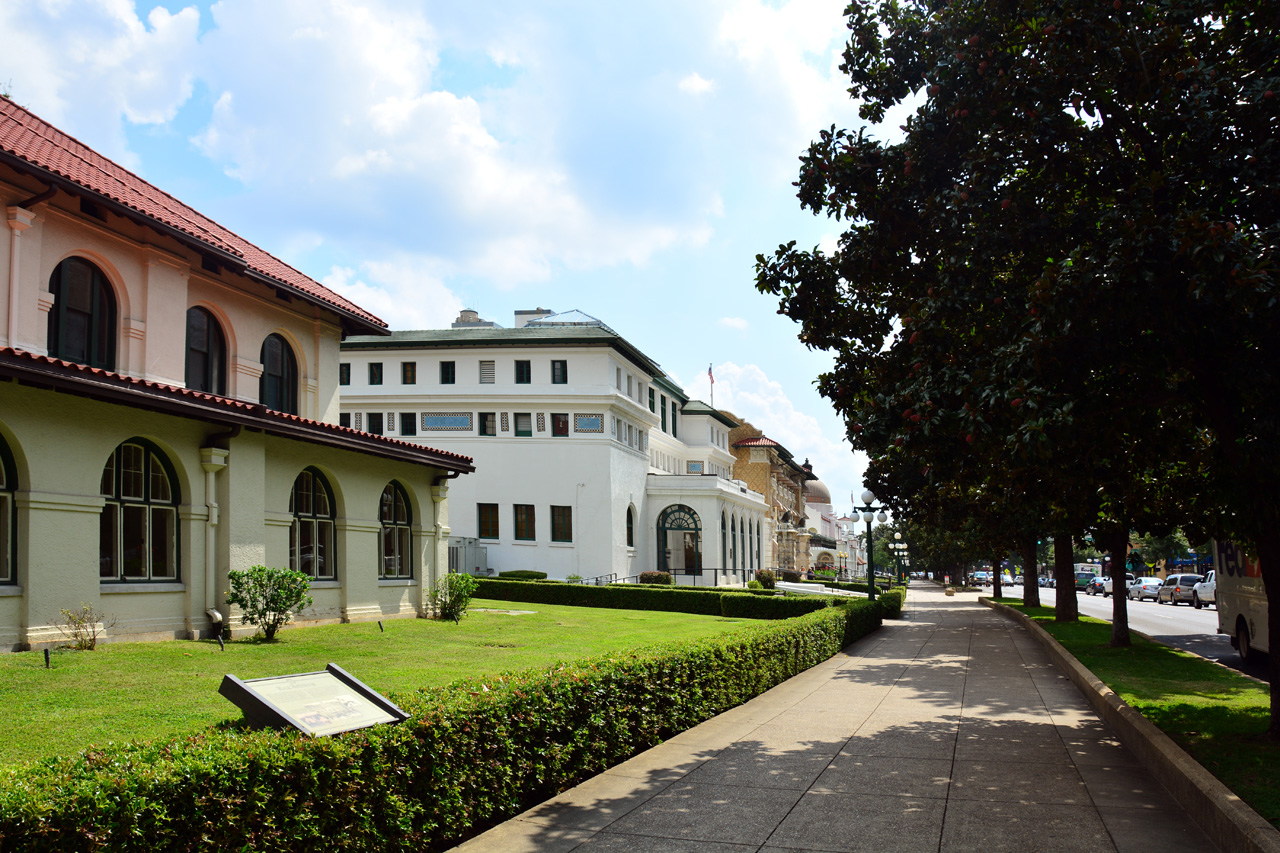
x,y
1242,600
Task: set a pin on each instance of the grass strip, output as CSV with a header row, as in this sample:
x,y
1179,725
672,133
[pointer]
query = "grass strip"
x,y
1218,716
148,691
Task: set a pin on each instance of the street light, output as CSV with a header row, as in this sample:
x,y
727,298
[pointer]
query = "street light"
x,y
900,554
869,513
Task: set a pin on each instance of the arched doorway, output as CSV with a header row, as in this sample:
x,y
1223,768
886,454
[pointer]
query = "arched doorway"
x,y
679,540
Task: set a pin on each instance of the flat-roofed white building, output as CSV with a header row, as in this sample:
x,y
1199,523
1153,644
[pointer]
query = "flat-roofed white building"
x,y
590,461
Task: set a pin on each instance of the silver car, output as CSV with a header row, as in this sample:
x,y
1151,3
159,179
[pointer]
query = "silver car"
x,y
1178,588
1144,588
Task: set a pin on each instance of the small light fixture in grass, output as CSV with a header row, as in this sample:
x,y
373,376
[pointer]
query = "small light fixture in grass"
x,y
267,597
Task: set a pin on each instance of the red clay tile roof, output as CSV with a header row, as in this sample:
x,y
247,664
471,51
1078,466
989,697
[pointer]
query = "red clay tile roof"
x,y
102,384
27,137
757,441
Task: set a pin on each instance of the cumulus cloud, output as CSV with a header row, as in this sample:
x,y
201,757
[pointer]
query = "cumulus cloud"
x,y
734,323
694,84
747,391
404,292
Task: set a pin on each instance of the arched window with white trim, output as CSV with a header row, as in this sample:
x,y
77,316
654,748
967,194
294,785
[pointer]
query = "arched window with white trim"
x,y
311,549
138,528
393,512
82,321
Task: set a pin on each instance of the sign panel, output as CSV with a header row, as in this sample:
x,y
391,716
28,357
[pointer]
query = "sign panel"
x,y
315,703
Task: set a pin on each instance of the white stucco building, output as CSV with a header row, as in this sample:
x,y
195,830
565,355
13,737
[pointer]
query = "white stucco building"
x,y
169,412
590,461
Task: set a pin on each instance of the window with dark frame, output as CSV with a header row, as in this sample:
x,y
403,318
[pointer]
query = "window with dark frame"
x,y
524,372
408,373
375,423
652,408
487,520
82,321
559,424
631,528
278,385
525,529
559,372
447,373
664,412
311,536
408,423
138,527
675,432
488,423
344,373
561,524
524,424
206,368
393,512
8,485
344,419
375,373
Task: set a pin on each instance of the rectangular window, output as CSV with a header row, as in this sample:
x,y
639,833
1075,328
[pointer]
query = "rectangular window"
x,y
487,520
524,522
344,373
488,423
630,386
559,424
408,373
344,419
524,424
651,406
617,378
486,373
408,423
375,373
524,372
664,412
375,423
559,372
562,524
675,432
446,373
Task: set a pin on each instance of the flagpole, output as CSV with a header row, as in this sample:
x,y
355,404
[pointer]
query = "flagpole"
x,y
712,377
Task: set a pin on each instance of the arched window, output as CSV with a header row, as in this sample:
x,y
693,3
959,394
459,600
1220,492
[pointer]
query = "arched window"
x,y
742,546
751,537
679,540
631,528
138,530
724,540
8,485
311,534
733,542
278,387
206,353
759,547
393,511
82,321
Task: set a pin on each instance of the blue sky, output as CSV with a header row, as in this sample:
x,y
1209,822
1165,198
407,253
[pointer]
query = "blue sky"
x,y
626,160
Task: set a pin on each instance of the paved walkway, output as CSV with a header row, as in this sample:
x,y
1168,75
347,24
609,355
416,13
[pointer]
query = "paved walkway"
x,y
948,730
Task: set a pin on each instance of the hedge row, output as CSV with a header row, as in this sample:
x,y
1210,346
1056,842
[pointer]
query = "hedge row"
x,y
706,602
471,755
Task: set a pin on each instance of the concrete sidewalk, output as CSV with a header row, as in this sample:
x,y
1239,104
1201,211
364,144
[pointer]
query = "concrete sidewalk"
x,y
949,730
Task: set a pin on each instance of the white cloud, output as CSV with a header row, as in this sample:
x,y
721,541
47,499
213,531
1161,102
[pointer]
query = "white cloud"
x,y
734,323
694,84
404,292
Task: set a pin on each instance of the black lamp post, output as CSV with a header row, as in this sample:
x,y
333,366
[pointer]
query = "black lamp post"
x,y
869,513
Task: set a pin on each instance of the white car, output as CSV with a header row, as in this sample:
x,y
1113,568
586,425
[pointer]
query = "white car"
x,y
1106,584
1144,588
1205,592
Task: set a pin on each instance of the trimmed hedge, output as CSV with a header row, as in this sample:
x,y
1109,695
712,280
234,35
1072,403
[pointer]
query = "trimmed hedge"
x,y
745,606
523,575
471,755
891,601
706,601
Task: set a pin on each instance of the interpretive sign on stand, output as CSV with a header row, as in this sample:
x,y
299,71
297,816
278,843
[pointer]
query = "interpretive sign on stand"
x,y
315,703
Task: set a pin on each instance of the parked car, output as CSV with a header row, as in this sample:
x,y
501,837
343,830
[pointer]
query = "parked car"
x,y
1083,579
980,578
1178,588
1106,583
1144,588
1094,586
1205,592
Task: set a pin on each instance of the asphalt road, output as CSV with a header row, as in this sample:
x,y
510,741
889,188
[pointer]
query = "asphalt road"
x,y
1182,626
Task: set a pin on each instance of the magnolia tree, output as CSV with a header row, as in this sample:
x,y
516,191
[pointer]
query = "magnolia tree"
x,y
1056,293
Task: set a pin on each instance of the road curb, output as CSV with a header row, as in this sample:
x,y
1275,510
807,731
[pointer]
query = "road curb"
x,y
1228,821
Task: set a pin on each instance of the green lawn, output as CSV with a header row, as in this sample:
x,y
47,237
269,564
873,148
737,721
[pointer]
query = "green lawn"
x,y
1216,714
127,691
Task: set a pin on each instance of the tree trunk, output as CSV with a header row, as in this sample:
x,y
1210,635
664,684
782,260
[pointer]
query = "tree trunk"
x,y
995,576
1064,580
1115,540
1030,572
1269,556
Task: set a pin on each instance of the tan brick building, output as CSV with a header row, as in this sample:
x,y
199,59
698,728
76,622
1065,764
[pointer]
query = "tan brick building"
x,y
769,468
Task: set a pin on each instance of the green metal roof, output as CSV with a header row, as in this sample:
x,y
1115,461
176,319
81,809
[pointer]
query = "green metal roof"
x,y
697,407
527,336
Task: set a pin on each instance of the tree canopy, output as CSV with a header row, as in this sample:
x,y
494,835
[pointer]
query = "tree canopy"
x,y
1055,298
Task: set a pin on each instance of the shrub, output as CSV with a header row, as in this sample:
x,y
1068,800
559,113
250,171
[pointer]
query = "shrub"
x,y
767,578
471,755
754,584
573,579
745,606
522,575
451,595
891,602
83,626
790,576
657,578
616,596
267,597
